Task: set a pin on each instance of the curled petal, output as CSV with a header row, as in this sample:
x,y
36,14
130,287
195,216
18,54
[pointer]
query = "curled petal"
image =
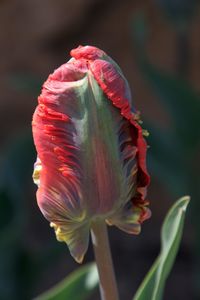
x,y
130,217
76,237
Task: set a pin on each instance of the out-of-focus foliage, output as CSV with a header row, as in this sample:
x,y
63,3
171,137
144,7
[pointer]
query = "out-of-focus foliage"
x,y
153,284
173,149
21,265
179,12
15,171
79,285
174,154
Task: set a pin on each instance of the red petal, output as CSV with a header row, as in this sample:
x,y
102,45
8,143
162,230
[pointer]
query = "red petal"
x,y
116,89
87,52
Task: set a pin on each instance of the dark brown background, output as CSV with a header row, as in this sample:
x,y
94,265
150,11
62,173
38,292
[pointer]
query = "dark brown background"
x,y
35,38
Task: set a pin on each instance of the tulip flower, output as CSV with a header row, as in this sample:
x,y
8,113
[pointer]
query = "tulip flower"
x,y
91,162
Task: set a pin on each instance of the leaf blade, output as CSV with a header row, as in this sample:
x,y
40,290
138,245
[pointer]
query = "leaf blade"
x,y
78,285
171,233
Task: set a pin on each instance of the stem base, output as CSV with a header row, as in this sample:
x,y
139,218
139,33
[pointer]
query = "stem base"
x,y
108,287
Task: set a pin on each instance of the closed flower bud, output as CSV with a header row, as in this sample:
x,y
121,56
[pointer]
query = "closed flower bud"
x,y
91,151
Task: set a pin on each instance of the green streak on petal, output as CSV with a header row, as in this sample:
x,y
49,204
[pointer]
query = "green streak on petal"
x,y
105,185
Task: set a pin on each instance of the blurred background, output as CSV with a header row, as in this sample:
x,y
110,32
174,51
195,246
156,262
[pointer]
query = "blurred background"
x,y
157,45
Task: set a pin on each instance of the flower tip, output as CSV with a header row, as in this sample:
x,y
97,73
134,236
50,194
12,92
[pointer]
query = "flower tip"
x,y
86,52
79,259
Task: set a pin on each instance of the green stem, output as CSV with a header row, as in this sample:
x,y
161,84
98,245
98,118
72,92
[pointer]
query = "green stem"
x,y
108,287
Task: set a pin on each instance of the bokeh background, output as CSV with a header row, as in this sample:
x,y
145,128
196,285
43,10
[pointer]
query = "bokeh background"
x,y
157,45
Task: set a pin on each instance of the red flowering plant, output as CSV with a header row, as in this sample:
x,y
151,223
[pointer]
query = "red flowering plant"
x,y
91,164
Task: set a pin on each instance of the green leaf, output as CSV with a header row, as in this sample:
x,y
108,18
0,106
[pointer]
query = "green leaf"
x,y
79,285
153,284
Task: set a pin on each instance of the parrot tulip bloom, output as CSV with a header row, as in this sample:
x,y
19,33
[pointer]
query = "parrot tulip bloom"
x,y
91,150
